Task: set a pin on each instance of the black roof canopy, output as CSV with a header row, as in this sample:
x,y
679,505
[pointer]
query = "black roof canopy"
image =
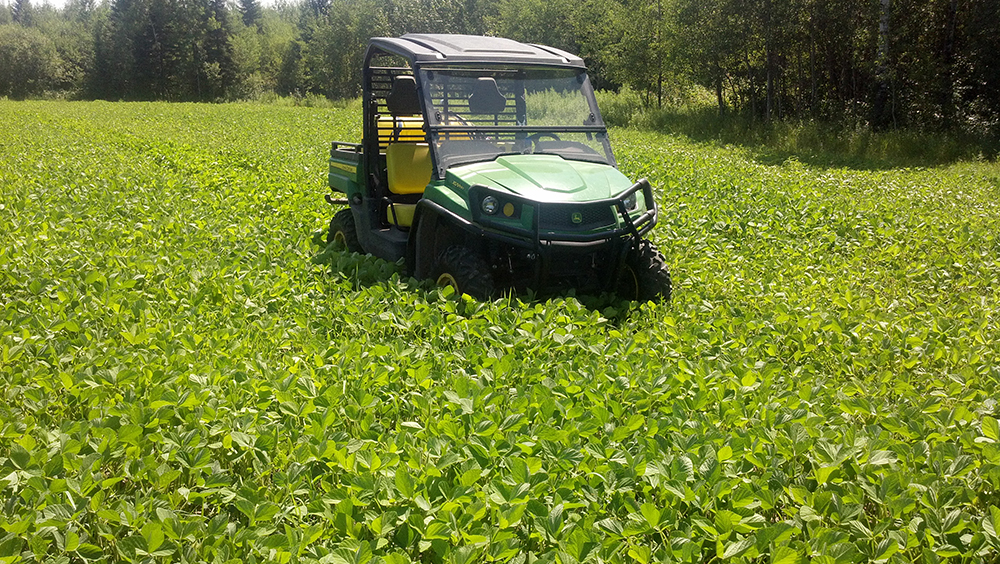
x,y
421,48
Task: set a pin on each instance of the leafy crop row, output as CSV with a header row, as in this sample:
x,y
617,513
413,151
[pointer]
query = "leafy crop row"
x,y
186,374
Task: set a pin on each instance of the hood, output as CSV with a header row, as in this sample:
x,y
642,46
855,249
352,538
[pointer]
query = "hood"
x,y
546,178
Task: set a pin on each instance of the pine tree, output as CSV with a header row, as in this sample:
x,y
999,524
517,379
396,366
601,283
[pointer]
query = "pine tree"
x,y
21,12
219,50
250,9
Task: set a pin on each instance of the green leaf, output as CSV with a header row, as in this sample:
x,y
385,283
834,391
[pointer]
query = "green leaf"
x,y
737,548
266,511
404,484
19,527
651,514
706,527
823,473
991,429
152,532
991,522
469,477
947,551
786,555
246,507
72,540
437,530
776,533
20,457
808,514
882,457
612,526
554,520
242,439
11,547
396,558
89,551
884,550
641,554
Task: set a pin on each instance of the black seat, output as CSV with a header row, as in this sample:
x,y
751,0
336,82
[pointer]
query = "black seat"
x,y
402,99
486,97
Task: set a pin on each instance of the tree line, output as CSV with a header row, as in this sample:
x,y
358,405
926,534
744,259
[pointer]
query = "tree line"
x,y
886,63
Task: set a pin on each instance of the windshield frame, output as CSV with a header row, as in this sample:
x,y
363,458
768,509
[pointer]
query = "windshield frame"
x,y
509,137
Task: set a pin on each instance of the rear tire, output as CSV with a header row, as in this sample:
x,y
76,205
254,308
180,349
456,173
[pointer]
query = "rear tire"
x,y
343,232
464,271
646,277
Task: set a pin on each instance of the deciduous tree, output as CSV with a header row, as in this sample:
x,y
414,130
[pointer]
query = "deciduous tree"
x,y
29,63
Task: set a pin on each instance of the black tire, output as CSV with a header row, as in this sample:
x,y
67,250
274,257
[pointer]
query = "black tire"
x,y
646,277
344,232
465,271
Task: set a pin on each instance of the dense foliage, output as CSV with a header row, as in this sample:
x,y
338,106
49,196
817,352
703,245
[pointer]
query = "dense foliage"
x,y
186,373
927,63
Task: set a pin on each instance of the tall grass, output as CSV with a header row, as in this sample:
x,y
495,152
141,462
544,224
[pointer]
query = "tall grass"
x,y
810,141
308,100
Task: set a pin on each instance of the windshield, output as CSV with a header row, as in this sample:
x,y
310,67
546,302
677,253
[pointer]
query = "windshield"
x,y
479,114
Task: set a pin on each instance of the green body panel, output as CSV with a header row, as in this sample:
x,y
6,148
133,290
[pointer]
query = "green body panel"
x,y
345,172
545,178
537,178
452,195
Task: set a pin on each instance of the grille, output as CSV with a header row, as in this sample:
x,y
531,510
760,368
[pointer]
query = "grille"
x,y
560,217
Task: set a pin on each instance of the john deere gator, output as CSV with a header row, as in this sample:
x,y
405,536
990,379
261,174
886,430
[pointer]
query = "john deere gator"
x,y
485,163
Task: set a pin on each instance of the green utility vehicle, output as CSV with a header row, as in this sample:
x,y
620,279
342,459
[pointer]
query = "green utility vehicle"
x,y
486,164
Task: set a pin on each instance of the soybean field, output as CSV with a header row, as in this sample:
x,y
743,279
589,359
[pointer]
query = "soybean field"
x,y
189,374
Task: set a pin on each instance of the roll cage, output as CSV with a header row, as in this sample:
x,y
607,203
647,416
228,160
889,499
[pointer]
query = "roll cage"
x,y
464,96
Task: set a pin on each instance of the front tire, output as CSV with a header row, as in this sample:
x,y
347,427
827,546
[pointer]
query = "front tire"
x,y
464,271
343,232
646,277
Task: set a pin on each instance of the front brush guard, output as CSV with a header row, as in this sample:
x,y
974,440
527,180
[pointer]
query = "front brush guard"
x,y
543,242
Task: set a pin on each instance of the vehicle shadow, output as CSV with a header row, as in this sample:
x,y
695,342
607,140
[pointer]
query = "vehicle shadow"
x,y
365,271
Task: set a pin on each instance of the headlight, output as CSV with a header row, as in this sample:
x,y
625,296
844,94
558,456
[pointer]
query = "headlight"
x,y
490,205
630,202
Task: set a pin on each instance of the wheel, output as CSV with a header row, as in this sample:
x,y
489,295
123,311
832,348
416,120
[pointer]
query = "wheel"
x,y
343,232
646,277
464,271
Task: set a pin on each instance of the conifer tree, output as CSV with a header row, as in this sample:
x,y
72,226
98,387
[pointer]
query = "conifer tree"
x,y
251,12
20,12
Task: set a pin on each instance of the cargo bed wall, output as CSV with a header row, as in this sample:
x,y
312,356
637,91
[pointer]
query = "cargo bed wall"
x,y
345,168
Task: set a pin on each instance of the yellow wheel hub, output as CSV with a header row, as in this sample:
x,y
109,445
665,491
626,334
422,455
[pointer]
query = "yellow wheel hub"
x,y
446,279
340,240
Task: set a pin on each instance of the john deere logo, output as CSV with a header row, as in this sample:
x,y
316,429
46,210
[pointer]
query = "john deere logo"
x,y
577,218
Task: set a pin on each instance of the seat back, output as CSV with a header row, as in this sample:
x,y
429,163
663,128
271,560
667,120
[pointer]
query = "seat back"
x,y
486,97
391,129
402,98
408,167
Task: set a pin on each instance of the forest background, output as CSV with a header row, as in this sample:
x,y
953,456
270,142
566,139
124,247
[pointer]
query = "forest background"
x,y
885,64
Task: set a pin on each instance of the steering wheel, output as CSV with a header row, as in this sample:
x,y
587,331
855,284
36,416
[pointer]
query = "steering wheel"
x,y
451,118
533,140
536,137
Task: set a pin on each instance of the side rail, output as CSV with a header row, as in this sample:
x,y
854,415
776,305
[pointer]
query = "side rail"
x,y
344,146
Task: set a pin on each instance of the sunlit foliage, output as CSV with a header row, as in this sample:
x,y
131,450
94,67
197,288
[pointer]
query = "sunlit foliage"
x,y
188,374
